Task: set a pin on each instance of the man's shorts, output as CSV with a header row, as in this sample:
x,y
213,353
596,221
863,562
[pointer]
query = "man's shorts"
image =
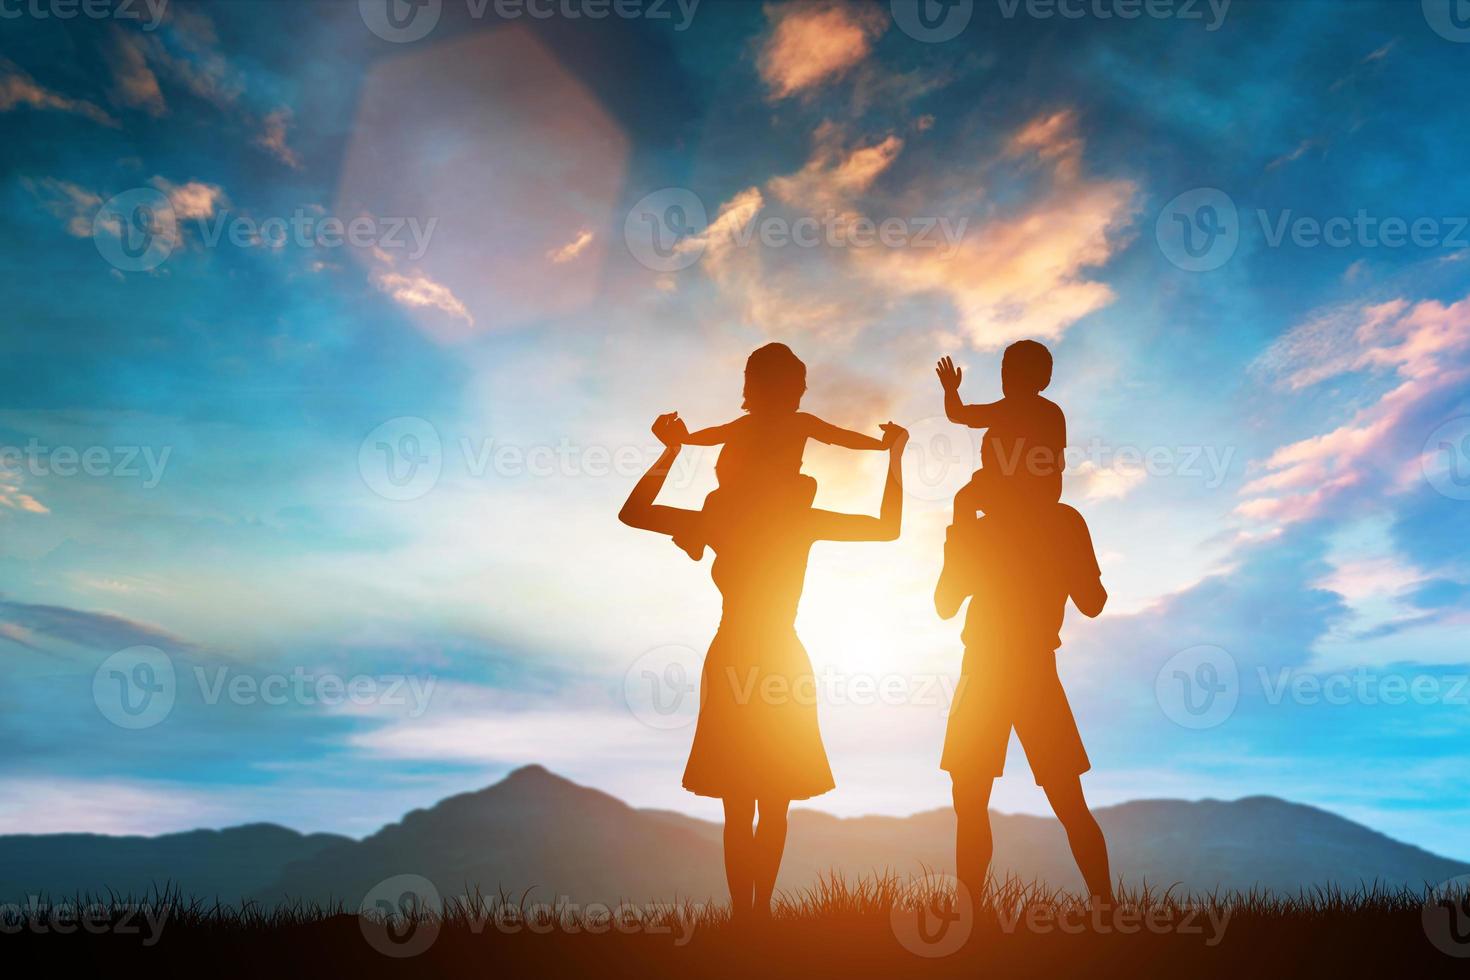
x,y
999,692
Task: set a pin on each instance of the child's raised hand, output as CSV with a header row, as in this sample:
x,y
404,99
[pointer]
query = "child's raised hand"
x,y
894,436
949,375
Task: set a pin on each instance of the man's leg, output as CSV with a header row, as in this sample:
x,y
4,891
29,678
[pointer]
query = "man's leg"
x,y
770,844
1083,834
739,848
973,844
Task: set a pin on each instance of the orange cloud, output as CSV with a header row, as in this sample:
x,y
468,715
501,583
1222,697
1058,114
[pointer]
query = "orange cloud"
x,y
571,249
272,137
834,176
418,290
134,84
812,43
74,205
19,89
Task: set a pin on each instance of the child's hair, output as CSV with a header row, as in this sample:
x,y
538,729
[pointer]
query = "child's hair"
x,y
1028,364
775,380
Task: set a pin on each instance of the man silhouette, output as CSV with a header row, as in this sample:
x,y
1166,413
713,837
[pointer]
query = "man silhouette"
x,y
1018,564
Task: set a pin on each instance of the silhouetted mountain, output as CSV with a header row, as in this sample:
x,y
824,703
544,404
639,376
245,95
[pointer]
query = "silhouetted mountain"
x,y
537,831
532,830
228,864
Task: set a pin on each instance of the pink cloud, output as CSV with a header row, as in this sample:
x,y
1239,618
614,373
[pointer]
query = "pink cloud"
x,y
1422,345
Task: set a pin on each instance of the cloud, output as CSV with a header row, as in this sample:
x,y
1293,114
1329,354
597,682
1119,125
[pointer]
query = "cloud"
x,y
73,204
19,89
1420,346
272,137
1052,138
571,249
92,630
418,290
1097,482
834,176
768,298
12,497
134,84
1296,154
193,200
1025,275
102,806
813,43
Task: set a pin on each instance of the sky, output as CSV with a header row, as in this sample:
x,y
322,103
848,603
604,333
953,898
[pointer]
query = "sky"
x,y
334,332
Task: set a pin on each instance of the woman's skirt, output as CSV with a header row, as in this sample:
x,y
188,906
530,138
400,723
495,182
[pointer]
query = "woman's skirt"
x,y
757,734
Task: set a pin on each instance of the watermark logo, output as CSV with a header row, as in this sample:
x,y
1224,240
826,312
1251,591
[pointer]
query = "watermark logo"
x,y
664,231
661,687
400,21
933,917
1446,916
939,460
1198,687
1199,230
136,231
1450,19
932,21
135,688
402,458
1446,458
400,916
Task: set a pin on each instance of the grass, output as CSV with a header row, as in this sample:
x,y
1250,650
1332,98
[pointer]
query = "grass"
x,y
875,926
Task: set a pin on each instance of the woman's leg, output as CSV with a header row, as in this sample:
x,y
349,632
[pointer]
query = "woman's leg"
x,y
770,842
739,845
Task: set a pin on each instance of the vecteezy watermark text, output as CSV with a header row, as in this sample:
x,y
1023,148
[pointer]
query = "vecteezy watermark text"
x,y
150,12
126,462
1201,230
137,230
137,688
669,230
405,21
402,916
94,918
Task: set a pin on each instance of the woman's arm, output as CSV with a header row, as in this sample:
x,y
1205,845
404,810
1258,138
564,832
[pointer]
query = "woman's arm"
x,y
884,527
639,510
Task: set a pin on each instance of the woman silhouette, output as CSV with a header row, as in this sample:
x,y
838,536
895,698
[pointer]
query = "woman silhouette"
x,y
757,739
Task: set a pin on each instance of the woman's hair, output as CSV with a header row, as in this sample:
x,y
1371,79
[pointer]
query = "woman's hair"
x,y
775,380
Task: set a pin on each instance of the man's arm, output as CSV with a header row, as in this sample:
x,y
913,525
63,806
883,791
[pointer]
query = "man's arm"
x,y
1087,591
955,584
1090,597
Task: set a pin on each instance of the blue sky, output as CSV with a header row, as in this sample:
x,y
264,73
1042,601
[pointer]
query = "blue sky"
x,y
565,226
